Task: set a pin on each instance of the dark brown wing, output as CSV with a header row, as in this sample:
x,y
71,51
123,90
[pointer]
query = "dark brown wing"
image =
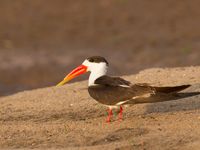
x,y
110,95
111,81
112,90
172,89
165,89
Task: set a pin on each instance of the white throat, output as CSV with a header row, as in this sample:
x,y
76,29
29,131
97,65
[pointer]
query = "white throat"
x,y
95,74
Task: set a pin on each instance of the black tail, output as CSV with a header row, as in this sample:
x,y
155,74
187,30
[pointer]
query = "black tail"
x,y
172,89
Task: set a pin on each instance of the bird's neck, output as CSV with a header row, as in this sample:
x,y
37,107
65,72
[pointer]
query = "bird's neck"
x,y
95,75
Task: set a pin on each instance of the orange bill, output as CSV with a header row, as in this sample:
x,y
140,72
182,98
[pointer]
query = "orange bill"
x,y
74,73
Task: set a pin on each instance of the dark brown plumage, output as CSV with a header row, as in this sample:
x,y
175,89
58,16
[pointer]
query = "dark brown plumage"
x,y
113,90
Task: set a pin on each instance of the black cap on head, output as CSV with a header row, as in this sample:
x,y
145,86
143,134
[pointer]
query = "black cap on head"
x,y
97,59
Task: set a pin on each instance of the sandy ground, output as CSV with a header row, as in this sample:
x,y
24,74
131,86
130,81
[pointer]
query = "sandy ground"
x,y
66,117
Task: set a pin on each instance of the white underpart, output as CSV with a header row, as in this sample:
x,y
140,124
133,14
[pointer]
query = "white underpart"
x,y
122,102
97,70
113,107
127,86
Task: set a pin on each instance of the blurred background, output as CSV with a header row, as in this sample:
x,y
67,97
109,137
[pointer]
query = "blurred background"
x,y
42,40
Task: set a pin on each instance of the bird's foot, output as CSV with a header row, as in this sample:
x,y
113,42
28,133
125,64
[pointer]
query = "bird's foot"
x,y
109,115
108,120
120,116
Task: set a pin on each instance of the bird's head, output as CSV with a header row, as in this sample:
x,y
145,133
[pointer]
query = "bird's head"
x,y
97,65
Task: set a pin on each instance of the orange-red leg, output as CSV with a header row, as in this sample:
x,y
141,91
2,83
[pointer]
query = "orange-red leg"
x,y
109,115
120,113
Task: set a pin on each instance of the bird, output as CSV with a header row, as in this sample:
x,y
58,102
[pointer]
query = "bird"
x,y
115,92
